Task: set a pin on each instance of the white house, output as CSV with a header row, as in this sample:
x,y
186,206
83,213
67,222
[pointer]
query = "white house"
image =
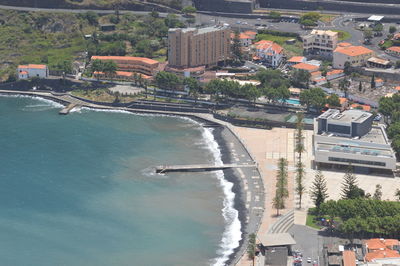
x,y
269,52
31,70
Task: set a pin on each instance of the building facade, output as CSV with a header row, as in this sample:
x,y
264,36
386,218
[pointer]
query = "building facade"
x,y
321,42
343,138
193,47
355,55
269,52
140,65
394,50
32,70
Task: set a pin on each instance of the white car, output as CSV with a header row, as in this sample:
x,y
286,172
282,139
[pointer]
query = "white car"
x,y
308,260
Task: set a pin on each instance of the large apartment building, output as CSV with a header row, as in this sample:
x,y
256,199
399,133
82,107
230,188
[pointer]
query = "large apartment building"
x,y
343,138
193,47
321,42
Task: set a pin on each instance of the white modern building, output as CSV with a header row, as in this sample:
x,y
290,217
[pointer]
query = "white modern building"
x,y
343,138
31,70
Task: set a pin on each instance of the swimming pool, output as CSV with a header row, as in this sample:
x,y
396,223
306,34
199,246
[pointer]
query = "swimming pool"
x,y
293,101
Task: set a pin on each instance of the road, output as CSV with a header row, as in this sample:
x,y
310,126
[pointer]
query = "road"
x,y
308,242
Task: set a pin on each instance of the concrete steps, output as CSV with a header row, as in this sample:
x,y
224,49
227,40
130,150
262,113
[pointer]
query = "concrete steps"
x,y
283,224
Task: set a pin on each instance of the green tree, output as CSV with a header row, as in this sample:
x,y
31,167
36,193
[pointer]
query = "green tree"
x,y
347,68
272,78
344,84
397,194
319,190
397,64
167,81
378,27
300,78
92,18
281,192
251,92
189,10
360,86
367,34
313,98
194,87
275,15
251,248
237,48
333,100
299,149
392,29
310,18
373,85
378,192
109,67
350,189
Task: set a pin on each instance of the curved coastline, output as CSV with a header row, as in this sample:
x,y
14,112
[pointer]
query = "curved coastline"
x,y
231,176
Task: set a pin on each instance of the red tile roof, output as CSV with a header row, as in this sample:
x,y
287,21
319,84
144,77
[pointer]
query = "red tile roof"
x,y
296,59
308,67
353,50
380,254
23,72
127,58
334,72
394,49
33,66
265,45
349,258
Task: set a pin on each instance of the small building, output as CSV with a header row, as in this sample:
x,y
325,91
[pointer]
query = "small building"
x,y
349,137
378,62
245,40
381,250
296,60
276,248
306,67
375,19
334,74
379,82
355,55
394,50
32,70
269,52
107,27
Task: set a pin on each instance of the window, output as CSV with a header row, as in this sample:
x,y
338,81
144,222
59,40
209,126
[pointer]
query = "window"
x,y
345,160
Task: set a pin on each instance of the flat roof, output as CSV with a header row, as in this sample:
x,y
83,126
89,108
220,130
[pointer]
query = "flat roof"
x,y
380,61
349,116
273,240
375,18
375,135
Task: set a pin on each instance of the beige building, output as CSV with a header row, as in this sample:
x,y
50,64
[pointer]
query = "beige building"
x,y
320,42
356,55
193,47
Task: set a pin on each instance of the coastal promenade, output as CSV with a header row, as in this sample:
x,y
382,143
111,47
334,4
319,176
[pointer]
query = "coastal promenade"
x,y
248,182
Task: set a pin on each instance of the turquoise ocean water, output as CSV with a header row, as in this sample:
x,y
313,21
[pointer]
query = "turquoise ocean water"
x,y
79,190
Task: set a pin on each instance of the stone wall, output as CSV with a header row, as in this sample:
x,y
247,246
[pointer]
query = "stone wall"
x,y
224,6
342,6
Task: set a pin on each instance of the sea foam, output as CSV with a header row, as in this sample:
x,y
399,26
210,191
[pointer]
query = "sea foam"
x,y
232,233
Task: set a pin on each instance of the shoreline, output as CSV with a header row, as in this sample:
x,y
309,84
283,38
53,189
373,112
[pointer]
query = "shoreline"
x,y
223,136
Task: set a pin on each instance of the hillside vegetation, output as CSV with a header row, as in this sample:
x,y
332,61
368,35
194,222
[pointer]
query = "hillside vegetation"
x,y
106,4
57,39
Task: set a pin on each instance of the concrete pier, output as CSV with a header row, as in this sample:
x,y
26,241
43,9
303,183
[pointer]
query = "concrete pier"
x,y
199,167
68,109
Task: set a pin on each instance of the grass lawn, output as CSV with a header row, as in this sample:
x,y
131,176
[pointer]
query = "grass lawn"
x,y
290,49
327,17
311,222
343,35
